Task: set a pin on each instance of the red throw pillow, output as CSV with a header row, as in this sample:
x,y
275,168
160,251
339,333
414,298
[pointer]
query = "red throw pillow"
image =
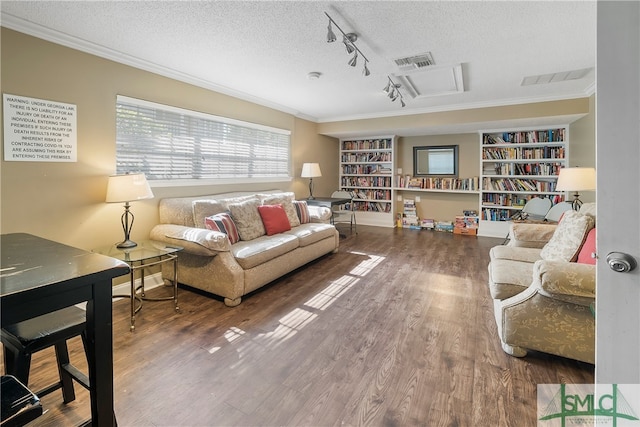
x,y
274,219
588,247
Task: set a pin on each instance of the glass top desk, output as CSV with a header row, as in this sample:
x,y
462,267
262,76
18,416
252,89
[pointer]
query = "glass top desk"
x,y
39,276
147,254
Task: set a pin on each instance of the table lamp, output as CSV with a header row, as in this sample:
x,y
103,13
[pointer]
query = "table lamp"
x,y
576,179
311,170
127,188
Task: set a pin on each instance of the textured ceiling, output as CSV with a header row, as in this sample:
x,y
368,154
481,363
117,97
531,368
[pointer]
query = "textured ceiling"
x,y
262,51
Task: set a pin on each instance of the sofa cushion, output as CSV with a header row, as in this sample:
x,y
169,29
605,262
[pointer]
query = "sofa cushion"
x,y
588,248
274,219
302,211
286,200
568,237
312,232
508,278
223,223
263,249
245,215
205,208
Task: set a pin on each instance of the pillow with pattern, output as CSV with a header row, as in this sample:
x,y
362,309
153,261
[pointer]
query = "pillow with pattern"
x,y
568,237
245,215
223,223
302,210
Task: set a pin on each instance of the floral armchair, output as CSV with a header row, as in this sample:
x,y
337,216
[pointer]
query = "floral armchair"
x,y
543,286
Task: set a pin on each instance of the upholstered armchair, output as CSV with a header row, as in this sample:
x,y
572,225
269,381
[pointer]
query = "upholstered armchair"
x,y
544,288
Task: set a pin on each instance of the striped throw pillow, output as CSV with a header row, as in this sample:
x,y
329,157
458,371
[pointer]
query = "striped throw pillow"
x,y
302,210
223,223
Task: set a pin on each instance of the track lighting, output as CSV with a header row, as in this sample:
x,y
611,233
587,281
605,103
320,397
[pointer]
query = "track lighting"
x,y
392,90
365,70
349,41
354,60
331,37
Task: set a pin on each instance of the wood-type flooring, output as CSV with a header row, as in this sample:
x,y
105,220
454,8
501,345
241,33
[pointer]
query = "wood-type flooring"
x,y
396,329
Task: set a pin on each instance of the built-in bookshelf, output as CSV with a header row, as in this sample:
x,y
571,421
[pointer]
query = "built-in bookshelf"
x,y
366,170
517,165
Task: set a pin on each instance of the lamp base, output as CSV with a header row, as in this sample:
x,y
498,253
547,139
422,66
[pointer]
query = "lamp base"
x,y
126,244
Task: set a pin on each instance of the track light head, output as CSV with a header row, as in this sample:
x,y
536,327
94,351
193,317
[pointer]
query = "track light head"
x,y
353,61
331,37
365,70
348,41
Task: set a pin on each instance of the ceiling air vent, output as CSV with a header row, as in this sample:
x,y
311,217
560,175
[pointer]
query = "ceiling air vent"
x,y
415,62
555,77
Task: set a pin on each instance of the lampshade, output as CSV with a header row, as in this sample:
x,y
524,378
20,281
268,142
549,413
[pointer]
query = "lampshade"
x,y
576,179
310,170
127,188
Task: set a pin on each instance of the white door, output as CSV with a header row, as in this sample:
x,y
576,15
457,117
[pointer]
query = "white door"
x,y
618,191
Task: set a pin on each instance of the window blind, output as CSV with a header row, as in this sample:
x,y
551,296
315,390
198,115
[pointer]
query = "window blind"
x,y
170,143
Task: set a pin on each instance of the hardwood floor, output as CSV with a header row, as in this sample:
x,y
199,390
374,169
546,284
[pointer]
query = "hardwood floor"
x,y
396,329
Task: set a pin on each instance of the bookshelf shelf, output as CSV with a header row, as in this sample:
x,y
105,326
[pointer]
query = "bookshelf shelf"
x,y
366,170
515,166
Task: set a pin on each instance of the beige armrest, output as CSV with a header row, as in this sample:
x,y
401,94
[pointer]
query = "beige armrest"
x,y
569,281
530,235
319,213
197,241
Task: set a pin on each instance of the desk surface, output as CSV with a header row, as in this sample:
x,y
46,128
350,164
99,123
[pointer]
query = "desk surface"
x,y
29,262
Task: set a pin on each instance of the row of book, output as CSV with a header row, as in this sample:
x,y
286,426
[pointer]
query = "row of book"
x,y
517,184
463,184
523,153
366,157
522,168
491,214
373,194
372,207
365,181
367,144
533,136
502,199
366,170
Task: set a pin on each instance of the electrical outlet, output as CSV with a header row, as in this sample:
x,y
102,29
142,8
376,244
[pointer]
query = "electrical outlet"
x,y
417,199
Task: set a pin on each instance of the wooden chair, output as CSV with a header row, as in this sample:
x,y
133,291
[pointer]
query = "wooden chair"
x,y
22,340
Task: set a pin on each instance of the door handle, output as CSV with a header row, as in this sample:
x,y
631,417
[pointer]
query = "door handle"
x,y
621,262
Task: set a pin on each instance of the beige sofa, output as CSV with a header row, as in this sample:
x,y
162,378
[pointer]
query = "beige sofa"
x,y
212,263
543,297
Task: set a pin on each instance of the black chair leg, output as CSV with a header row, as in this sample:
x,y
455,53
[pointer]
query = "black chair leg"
x,y
18,364
66,381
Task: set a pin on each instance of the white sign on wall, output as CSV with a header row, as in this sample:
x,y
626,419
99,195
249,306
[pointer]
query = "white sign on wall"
x,y
37,130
